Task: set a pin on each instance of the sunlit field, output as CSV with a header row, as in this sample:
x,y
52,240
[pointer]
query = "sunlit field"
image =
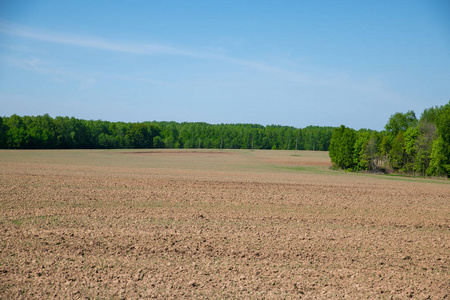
x,y
216,224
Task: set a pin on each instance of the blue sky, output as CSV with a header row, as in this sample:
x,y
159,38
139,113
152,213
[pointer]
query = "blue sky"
x,y
294,63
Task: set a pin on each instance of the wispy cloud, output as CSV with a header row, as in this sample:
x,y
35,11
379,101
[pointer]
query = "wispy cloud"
x,y
90,42
131,48
35,64
142,80
319,78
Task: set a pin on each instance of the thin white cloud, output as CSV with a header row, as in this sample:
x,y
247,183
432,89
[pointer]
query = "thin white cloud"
x,y
39,66
143,80
90,42
35,62
36,65
141,49
321,78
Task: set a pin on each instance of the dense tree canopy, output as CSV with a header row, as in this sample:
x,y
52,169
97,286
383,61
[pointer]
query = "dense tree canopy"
x,y
44,132
342,147
401,122
407,146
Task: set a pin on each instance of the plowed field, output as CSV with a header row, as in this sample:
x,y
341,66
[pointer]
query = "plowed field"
x,y
216,224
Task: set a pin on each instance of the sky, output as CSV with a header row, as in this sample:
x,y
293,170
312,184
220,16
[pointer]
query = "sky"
x,y
294,63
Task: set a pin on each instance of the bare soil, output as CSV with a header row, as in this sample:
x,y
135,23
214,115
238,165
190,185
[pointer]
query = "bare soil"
x,y
216,224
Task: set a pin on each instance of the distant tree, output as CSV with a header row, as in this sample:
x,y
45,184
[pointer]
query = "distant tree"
x,y
424,144
365,155
372,151
17,136
440,154
439,165
105,141
138,136
397,154
429,115
3,134
401,122
360,154
411,135
342,147
69,133
171,136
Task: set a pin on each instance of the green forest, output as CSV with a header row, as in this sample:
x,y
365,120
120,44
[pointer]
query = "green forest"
x,y
408,145
45,132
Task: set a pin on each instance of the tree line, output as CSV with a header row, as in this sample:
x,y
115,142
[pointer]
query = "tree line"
x,y
408,145
45,132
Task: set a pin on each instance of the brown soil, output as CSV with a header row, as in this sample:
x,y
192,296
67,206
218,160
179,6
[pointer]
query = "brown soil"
x,y
186,152
103,224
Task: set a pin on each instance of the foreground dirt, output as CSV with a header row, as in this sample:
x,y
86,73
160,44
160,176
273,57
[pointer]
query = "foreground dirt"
x,y
262,224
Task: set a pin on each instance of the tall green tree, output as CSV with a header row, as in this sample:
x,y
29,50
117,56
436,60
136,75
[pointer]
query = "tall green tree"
x,y
401,122
17,136
342,147
424,144
440,154
411,136
3,134
360,154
